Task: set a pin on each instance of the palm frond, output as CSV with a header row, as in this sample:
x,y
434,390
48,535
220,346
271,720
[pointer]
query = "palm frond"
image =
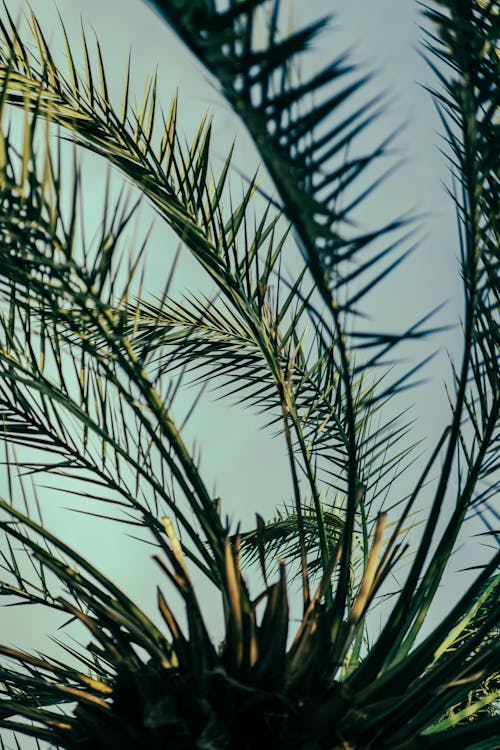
x,y
304,131
176,183
71,380
83,363
290,120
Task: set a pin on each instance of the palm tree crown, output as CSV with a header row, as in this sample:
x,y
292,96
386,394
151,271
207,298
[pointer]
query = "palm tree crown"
x,y
90,366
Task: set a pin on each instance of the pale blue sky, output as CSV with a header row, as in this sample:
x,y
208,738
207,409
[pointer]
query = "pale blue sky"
x,y
382,34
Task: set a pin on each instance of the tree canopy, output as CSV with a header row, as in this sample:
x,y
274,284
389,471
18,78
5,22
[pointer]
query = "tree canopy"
x,y
90,366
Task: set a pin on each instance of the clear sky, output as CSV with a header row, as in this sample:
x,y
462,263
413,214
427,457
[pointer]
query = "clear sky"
x,y
382,34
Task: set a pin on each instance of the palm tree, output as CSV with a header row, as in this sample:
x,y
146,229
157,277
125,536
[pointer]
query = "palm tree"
x,y
89,365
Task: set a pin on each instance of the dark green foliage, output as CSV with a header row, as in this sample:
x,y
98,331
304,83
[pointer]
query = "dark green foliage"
x,y
88,368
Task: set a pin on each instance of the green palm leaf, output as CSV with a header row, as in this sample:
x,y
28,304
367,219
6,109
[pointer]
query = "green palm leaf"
x,y
84,360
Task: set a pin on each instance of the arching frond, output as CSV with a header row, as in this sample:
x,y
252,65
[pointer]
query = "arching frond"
x,y
84,362
177,185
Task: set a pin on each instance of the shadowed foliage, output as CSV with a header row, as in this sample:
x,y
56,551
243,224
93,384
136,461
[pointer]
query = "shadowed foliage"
x,y
90,365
